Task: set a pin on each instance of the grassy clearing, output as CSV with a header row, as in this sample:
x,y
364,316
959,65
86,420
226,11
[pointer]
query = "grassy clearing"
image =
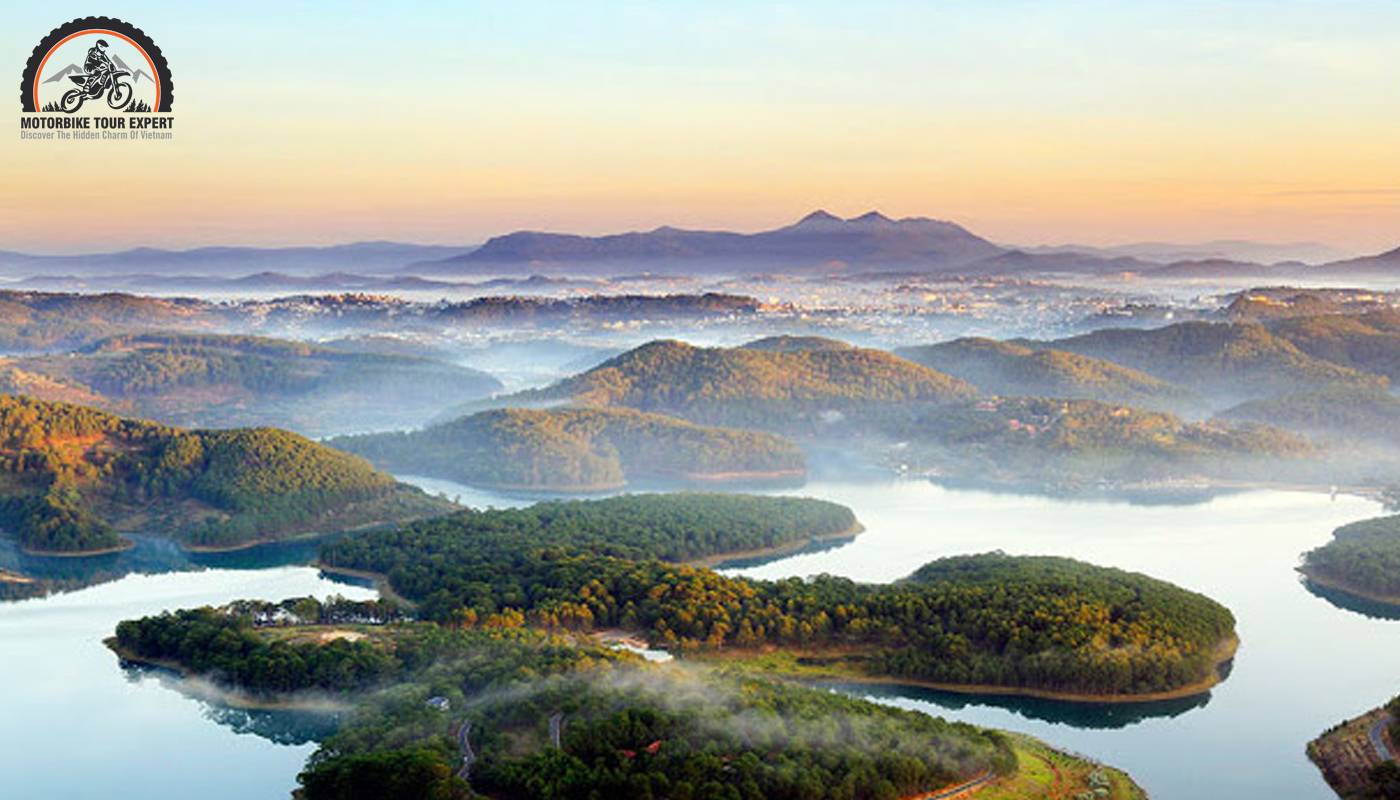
x,y
1047,773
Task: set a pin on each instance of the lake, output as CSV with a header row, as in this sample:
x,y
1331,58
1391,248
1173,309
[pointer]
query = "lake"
x,y
76,725
1303,664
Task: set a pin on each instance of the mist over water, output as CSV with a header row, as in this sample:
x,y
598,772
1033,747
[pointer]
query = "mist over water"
x,y
1305,663
76,725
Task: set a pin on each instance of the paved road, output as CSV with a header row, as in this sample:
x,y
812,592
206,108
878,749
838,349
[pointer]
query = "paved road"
x,y
1377,734
468,755
953,791
556,727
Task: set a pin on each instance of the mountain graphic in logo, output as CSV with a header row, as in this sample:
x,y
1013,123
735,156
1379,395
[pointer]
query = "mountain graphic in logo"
x,y
96,65
74,69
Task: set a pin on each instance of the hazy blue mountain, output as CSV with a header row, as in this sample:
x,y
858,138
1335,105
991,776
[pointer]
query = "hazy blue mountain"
x,y
1220,249
818,242
356,257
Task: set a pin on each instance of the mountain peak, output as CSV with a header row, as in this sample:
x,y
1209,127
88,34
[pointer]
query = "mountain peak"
x,y
820,216
871,217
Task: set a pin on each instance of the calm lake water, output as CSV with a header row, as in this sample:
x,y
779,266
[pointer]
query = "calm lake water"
x,y
1303,665
73,724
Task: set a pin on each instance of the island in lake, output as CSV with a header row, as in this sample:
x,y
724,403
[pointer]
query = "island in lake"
x,y
1027,625
1363,559
515,711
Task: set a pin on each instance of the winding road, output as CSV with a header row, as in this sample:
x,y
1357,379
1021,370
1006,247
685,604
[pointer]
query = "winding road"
x,y
556,727
954,791
468,755
1378,739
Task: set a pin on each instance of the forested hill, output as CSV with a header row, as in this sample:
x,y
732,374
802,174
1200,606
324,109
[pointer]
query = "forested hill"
x,y
1225,362
1008,368
579,449
1357,415
1368,342
225,381
624,729
741,386
1064,627
676,527
1070,443
1362,558
74,475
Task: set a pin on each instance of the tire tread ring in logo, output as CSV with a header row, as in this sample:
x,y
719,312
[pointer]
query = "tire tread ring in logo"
x,y
119,30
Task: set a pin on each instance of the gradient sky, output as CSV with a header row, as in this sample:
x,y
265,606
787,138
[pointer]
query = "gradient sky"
x,y
1028,122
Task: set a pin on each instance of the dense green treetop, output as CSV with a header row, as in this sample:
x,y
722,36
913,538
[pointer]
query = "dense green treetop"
x,y
1056,626
1008,368
680,526
576,448
1059,440
1364,556
745,386
1227,361
1355,413
1368,342
227,380
73,472
625,729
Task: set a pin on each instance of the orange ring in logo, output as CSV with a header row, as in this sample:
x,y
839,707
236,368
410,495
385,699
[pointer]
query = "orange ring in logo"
x,y
39,73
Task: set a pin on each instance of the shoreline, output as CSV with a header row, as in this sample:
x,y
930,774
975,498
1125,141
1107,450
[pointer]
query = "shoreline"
x,y
304,536
7,576
1224,652
776,551
234,548
1360,594
684,478
232,698
379,579
1162,489
125,545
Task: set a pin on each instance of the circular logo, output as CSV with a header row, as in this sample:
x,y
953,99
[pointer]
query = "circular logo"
x,y
96,65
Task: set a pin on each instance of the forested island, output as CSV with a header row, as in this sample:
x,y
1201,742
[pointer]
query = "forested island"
x,y
580,450
75,476
1362,559
224,381
1028,625
505,711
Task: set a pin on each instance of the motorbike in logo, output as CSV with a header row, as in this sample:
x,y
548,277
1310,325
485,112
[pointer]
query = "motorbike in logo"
x,y
113,84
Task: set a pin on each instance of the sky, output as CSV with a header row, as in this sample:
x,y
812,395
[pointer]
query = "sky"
x,y
1027,122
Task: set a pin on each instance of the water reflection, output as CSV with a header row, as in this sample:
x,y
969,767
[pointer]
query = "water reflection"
x,y
149,555
1093,716
291,727
1165,494
1350,602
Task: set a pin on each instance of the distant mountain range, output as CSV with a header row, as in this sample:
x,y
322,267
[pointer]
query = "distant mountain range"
x,y
818,244
371,257
822,243
1221,249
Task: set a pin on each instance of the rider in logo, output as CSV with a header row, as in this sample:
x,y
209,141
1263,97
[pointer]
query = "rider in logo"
x,y
98,65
